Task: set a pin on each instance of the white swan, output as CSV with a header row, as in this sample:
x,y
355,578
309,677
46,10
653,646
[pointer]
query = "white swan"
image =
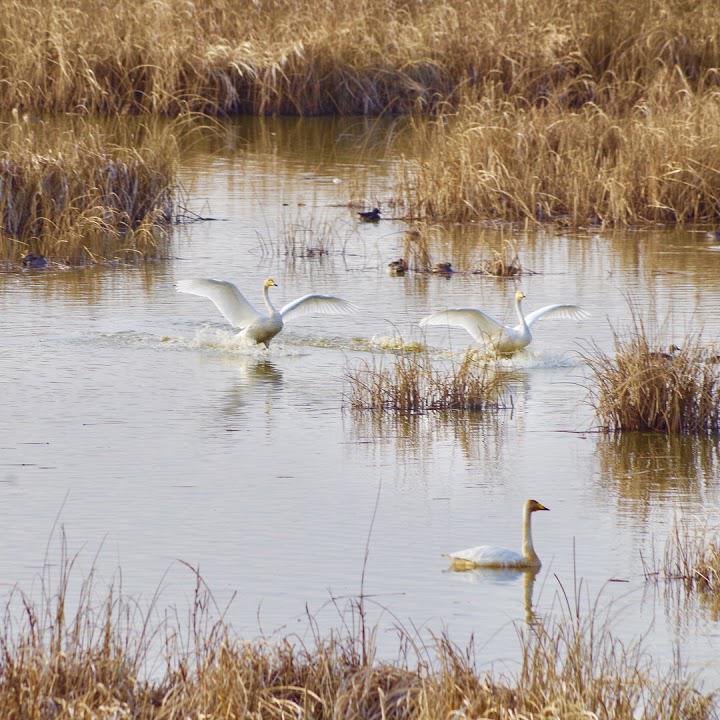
x,y
255,326
498,557
505,339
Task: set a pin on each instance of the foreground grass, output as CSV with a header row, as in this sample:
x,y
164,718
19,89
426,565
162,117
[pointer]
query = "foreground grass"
x,y
74,196
302,57
96,659
646,388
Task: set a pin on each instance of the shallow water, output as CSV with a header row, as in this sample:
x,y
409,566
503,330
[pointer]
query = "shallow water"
x,y
134,420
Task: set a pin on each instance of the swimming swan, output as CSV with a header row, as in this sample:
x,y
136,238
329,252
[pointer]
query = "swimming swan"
x,y
498,557
257,327
503,338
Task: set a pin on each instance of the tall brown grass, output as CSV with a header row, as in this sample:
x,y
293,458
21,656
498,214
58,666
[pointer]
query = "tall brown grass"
x,y
415,384
107,658
653,163
75,196
642,387
335,56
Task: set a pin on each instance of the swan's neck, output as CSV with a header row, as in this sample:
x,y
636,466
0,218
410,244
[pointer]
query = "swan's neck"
x,y
528,551
519,312
268,304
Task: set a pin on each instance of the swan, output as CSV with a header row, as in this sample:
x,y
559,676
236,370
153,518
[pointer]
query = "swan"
x,y
498,557
255,326
505,339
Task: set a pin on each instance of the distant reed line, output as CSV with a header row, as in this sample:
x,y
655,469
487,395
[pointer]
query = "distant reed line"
x,y
343,57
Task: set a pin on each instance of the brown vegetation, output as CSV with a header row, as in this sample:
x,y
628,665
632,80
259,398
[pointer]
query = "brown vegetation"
x,y
645,388
414,384
97,660
504,264
284,56
498,161
74,196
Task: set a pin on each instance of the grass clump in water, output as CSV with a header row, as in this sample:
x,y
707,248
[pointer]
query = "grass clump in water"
x,y
647,389
414,384
503,264
76,197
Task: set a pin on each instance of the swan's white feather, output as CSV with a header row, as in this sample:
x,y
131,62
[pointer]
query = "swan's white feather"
x,y
572,312
479,324
226,297
489,556
315,303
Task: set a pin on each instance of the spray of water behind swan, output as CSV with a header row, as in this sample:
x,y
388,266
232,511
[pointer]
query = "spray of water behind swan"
x,y
256,327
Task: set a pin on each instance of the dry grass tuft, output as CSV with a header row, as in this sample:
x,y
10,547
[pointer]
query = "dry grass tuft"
x,y
414,384
644,388
76,197
504,264
692,554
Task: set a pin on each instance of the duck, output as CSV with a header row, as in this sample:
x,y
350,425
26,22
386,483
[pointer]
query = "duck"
x,y
504,339
397,267
444,268
35,262
370,215
256,327
665,356
492,556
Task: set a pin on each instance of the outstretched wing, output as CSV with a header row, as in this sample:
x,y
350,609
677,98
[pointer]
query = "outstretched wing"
x,y
227,298
574,312
479,324
314,303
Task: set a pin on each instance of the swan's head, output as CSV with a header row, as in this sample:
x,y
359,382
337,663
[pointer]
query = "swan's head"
x,y
534,506
269,283
519,295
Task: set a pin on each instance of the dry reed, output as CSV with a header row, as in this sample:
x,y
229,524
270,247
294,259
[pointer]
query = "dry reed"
x,y
414,384
95,659
692,554
312,58
75,197
504,264
495,161
644,388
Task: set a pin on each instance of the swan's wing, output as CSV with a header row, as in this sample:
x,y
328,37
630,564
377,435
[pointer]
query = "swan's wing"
x,y
487,556
227,298
314,303
574,312
479,324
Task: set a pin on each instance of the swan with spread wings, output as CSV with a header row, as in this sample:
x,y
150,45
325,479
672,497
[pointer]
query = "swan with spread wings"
x,y
257,327
504,339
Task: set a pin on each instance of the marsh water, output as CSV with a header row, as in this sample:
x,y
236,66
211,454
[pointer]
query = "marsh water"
x,y
133,419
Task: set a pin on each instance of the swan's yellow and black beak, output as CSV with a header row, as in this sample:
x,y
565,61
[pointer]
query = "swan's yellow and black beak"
x,y
542,507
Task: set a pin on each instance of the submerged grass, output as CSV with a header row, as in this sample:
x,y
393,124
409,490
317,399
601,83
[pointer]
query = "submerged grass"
x,y
643,387
74,196
415,384
103,657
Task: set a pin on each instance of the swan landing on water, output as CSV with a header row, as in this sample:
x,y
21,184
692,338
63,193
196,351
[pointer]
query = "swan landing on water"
x,y
504,339
257,327
492,556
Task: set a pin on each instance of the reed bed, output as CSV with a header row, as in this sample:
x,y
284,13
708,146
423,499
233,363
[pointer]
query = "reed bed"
x,y
415,384
505,263
106,658
643,387
74,197
495,161
301,57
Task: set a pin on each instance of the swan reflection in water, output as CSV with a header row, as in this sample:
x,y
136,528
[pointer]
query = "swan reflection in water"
x,y
251,377
504,576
